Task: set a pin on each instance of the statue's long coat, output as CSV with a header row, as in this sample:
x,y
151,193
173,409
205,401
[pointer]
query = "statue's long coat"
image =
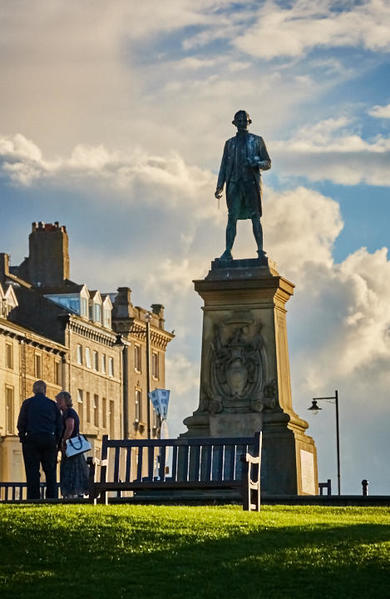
x,y
255,148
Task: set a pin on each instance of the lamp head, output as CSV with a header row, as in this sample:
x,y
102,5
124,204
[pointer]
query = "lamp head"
x,y
315,408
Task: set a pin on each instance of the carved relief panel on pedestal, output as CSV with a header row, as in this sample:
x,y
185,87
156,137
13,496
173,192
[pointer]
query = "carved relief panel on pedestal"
x,y
235,377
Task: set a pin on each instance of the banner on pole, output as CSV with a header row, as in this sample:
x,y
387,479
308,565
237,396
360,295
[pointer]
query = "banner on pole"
x,y
160,400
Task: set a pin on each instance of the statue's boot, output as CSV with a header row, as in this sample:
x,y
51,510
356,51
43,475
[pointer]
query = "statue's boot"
x,y
258,234
230,236
226,256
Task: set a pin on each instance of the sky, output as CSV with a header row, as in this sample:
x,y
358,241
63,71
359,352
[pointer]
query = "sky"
x,y
113,119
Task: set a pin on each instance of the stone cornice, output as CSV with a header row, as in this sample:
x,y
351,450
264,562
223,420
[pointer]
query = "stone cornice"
x,y
91,331
26,336
159,338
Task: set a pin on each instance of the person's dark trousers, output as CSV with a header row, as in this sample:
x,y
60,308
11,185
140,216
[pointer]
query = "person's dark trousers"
x,y
40,448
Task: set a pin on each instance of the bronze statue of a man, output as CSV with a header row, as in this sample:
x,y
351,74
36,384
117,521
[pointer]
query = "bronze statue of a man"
x,y
244,156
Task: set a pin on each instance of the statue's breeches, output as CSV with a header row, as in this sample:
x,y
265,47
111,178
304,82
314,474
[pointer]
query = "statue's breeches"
x,y
243,199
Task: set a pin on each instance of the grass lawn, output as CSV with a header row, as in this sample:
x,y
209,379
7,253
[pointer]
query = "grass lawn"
x,y
199,552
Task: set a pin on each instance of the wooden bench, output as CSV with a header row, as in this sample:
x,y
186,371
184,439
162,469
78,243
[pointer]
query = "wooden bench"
x,y
194,464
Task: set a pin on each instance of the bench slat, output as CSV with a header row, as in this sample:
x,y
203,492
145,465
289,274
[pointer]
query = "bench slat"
x,y
103,469
174,464
183,463
208,463
194,473
219,458
128,464
140,454
116,463
230,462
162,459
150,463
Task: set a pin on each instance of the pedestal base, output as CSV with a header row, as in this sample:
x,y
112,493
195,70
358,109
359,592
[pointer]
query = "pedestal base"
x,y
245,374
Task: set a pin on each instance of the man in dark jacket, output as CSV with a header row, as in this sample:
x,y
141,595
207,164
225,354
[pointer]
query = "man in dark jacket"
x,y
244,156
40,428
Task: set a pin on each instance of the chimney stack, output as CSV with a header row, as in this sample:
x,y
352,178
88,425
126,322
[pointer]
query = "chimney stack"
x,y
48,261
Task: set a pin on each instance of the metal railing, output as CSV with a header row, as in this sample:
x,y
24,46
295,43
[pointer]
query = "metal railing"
x,y
17,491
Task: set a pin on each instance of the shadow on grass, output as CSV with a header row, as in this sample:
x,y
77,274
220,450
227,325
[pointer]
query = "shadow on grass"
x,y
112,560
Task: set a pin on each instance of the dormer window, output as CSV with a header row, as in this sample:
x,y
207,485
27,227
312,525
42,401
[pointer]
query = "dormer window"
x,y
74,302
98,313
84,307
107,318
8,301
107,309
95,307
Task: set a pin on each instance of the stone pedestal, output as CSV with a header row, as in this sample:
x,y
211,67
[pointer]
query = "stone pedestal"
x,y
245,372
11,459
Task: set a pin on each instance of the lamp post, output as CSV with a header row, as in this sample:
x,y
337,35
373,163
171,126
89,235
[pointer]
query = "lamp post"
x,y
315,408
148,318
120,342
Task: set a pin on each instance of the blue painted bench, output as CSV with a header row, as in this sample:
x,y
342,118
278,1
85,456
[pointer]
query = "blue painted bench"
x,y
194,464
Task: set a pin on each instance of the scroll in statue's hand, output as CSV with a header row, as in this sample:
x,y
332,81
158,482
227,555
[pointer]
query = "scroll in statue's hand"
x,y
218,193
254,162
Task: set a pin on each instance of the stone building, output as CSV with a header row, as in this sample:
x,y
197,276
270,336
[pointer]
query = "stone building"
x,y
24,357
90,343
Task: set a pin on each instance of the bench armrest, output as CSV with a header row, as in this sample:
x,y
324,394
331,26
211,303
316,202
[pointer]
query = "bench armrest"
x,y
250,459
97,462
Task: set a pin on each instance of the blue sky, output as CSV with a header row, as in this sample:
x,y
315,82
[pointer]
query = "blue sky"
x,y
113,121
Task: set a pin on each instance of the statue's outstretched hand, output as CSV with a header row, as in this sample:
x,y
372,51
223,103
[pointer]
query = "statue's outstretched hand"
x,y
254,162
218,193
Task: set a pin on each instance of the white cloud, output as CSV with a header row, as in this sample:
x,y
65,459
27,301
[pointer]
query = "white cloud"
x,y
300,227
89,80
345,312
183,374
167,180
295,30
332,150
380,112
193,63
182,377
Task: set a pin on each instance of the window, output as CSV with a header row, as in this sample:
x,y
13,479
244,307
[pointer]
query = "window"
x,y
58,372
104,412
9,410
104,364
96,410
38,365
97,313
138,405
88,357
155,419
80,406
107,317
88,406
79,354
111,366
9,355
155,365
96,360
137,358
111,416
84,307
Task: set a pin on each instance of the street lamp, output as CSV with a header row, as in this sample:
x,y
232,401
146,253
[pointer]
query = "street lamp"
x,y
315,408
148,318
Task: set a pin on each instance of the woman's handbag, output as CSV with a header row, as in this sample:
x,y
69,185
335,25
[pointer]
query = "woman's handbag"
x,y
77,445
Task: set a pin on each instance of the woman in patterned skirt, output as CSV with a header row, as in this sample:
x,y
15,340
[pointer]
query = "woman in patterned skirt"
x,y
73,470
